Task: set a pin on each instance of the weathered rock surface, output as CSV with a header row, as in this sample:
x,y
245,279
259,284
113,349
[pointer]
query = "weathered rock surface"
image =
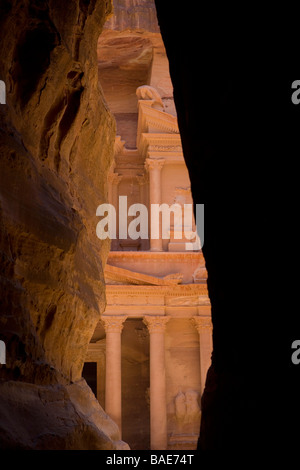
x,y
56,145
54,417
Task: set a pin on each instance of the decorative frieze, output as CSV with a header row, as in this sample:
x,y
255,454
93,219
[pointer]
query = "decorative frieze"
x,y
183,291
165,148
180,301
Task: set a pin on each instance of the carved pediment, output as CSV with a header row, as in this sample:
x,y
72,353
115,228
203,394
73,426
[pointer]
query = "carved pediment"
x,y
121,276
155,121
157,130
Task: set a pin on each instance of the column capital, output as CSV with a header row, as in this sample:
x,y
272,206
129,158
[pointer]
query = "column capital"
x,y
114,178
113,324
202,323
156,324
152,163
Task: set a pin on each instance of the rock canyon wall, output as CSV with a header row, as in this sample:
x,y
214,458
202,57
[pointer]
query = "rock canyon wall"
x,y
232,72
56,145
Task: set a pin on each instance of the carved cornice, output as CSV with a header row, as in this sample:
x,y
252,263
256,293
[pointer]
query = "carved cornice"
x,y
183,191
164,143
161,125
156,324
163,140
164,148
167,256
155,118
202,323
113,324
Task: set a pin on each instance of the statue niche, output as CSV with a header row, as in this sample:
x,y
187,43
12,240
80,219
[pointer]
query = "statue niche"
x,y
187,409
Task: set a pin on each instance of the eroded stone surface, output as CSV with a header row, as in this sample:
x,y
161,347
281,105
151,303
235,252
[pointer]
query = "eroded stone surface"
x,y
54,417
56,145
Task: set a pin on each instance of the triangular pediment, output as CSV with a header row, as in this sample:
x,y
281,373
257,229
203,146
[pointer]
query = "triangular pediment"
x,y
122,276
152,120
157,131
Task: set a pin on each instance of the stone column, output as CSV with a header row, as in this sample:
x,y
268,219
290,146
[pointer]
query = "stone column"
x,y
204,328
142,181
154,167
158,406
113,390
113,198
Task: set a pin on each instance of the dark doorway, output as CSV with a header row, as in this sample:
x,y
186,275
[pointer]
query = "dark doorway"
x,y
89,373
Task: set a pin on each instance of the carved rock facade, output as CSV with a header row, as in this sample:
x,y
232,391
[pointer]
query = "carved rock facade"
x,y
154,338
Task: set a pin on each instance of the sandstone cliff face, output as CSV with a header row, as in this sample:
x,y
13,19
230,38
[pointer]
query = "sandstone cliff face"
x,y
56,145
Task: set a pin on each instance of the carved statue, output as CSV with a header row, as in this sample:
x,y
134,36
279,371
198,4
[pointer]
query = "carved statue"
x,y
180,406
192,406
187,409
146,92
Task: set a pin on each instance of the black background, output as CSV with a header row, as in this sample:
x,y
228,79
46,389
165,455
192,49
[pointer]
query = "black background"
x,y
232,69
